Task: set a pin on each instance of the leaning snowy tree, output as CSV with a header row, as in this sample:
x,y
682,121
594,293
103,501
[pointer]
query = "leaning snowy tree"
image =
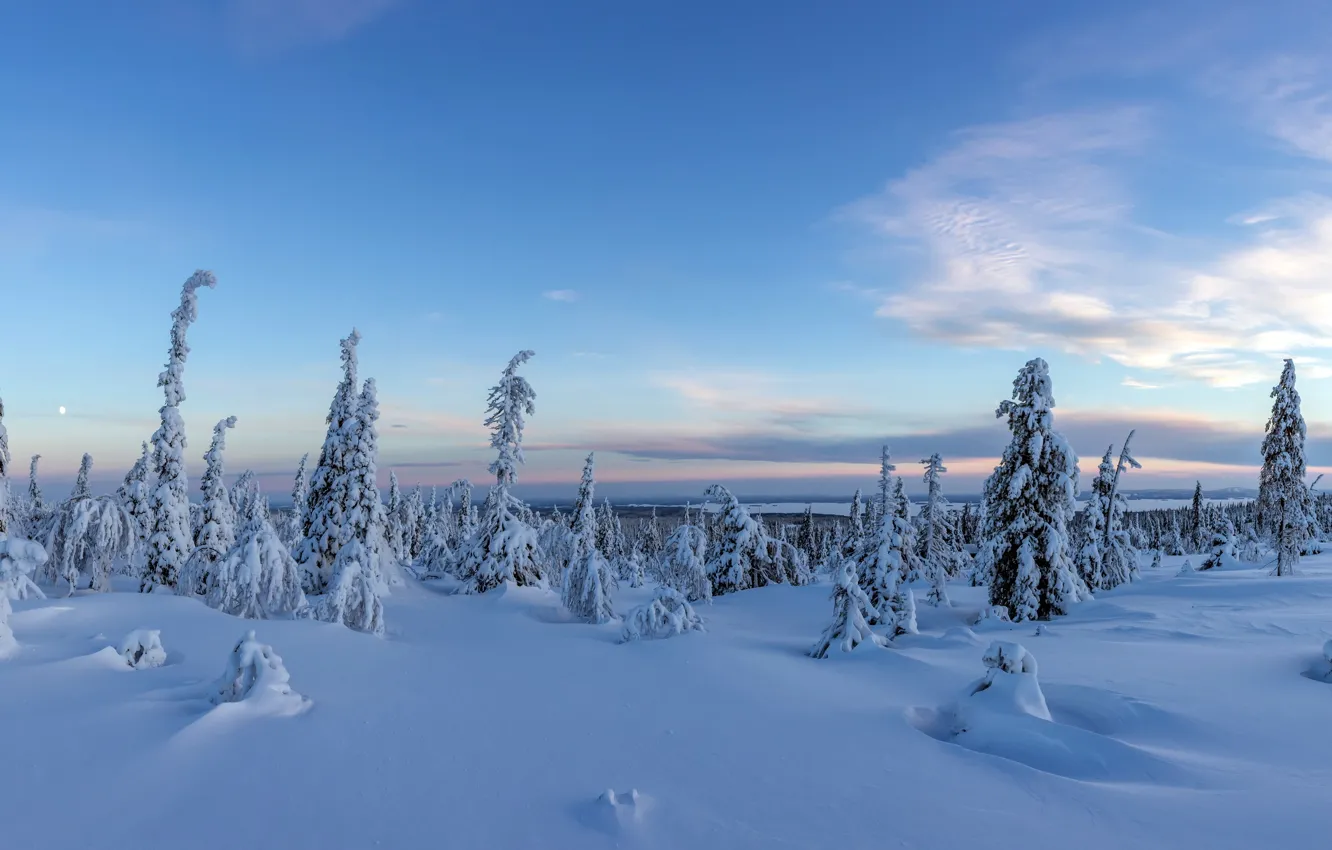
x,y
935,532
217,532
87,535
1120,556
503,548
1029,499
1282,495
588,584
169,502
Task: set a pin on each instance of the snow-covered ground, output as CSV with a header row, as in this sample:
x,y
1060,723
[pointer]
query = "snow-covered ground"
x,y
1182,718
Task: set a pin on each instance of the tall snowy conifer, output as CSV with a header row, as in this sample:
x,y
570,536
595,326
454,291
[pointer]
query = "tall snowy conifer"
x,y
169,501
1282,495
300,495
134,495
34,491
504,548
935,550
81,489
329,501
1119,553
217,532
396,531
881,566
587,587
1089,557
1029,499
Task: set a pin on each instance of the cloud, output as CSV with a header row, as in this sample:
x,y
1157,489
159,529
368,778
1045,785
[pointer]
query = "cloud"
x,y
1134,383
565,295
272,26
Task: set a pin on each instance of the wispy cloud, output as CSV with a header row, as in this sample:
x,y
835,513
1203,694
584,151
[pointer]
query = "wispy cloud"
x,y
1134,383
565,295
270,26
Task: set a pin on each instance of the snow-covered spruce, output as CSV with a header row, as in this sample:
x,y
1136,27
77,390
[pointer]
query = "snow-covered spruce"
x,y
255,673
682,566
935,550
37,509
852,612
1282,506
587,588
881,564
257,578
1010,686
142,648
169,540
217,530
244,494
667,615
328,502
1029,500
19,560
133,493
1119,555
294,525
1089,557
504,548
745,556
353,599
86,535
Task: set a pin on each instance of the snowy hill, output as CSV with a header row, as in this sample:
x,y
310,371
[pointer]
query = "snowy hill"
x,y
1182,717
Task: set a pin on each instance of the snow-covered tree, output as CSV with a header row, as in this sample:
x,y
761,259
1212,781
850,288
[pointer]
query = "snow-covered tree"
x,y
255,672
1223,553
742,559
1089,556
881,563
86,535
169,540
667,615
134,495
217,532
329,497
300,494
244,494
352,599
395,532
4,474
257,578
936,550
588,585
81,489
852,613
1120,556
682,564
651,537
504,548
1029,499
415,524
19,562
36,504
1282,495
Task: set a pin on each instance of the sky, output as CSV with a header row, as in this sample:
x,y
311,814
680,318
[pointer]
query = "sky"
x,y
749,242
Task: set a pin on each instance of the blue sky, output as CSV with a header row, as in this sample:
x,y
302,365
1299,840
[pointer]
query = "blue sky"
x,y
748,241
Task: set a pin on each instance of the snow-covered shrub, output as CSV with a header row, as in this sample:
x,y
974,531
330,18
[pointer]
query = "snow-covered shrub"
x,y
992,614
87,535
852,612
256,673
19,559
258,577
667,615
1223,555
352,599
588,583
1010,686
1186,568
143,648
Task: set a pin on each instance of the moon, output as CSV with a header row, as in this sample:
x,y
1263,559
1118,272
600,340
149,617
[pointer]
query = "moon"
x,y
62,410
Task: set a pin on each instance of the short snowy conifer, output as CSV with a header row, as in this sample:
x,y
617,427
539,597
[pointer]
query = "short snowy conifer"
x,y
217,531
395,531
1223,554
352,598
682,564
1029,499
1282,494
244,494
329,499
1089,556
881,564
415,524
86,535
133,494
36,504
936,551
667,615
169,540
651,536
588,584
142,648
852,613
741,560
503,548
257,578
1198,535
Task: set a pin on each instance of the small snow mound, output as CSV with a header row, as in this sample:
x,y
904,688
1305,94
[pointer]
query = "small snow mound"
x,y
256,675
992,617
617,811
1010,685
19,559
143,648
1041,630
1186,569
667,615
